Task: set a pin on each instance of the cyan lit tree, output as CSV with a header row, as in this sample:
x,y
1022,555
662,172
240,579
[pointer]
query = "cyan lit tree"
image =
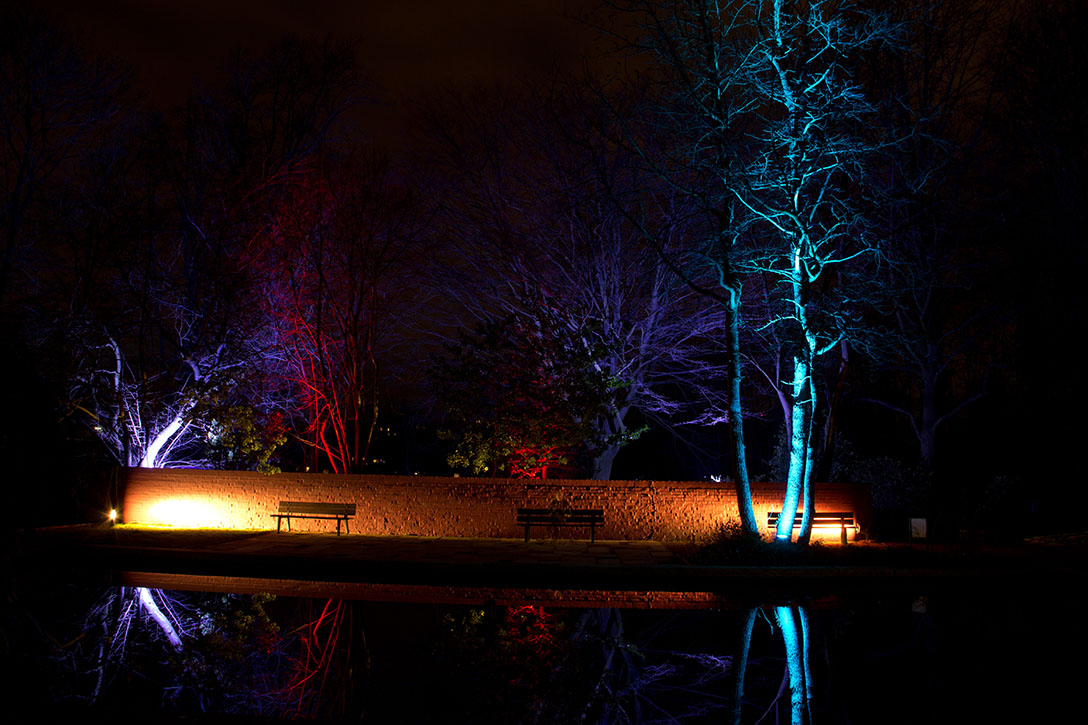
x,y
774,146
808,155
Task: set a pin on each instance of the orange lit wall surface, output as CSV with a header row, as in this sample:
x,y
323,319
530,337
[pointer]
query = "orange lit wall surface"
x,y
466,507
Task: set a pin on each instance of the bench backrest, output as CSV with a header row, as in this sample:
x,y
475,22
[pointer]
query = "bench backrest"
x,y
845,518
571,515
325,509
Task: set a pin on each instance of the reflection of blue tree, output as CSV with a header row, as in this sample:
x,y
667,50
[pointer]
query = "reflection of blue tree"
x,y
742,662
793,622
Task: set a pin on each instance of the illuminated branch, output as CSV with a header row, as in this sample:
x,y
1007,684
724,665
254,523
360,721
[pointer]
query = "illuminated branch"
x,y
542,211
339,246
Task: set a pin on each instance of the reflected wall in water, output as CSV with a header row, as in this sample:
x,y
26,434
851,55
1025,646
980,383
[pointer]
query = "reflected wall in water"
x,y
859,660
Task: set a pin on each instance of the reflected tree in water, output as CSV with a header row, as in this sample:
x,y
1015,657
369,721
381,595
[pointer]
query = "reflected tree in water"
x,y
793,623
526,664
328,675
138,647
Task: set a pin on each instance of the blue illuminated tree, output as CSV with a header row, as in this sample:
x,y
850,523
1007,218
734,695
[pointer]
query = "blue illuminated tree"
x,y
162,343
804,161
175,332
687,135
772,142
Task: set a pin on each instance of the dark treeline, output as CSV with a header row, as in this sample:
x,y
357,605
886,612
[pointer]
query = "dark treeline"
x,y
790,244
800,240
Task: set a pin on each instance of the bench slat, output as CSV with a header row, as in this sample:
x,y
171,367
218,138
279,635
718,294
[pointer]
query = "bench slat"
x,y
843,520
313,507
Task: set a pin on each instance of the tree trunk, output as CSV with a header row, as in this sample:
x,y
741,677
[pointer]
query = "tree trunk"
x,y
608,428
149,605
602,464
742,664
827,454
809,492
795,664
736,421
795,479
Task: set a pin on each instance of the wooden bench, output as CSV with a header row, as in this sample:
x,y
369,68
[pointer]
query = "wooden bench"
x,y
838,520
313,510
562,517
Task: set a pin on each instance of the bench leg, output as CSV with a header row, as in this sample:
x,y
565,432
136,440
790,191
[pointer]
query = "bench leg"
x,y
526,533
279,522
592,533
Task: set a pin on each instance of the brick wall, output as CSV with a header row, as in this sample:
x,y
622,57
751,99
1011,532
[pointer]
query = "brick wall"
x,y
469,507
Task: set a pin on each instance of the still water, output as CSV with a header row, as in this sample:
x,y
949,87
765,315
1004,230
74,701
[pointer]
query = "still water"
x,y
1000,656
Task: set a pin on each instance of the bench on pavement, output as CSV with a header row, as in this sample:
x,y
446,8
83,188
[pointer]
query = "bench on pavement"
x,y
838,521
561,517
314,510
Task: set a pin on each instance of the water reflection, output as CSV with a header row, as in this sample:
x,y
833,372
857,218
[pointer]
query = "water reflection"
x,y
861,660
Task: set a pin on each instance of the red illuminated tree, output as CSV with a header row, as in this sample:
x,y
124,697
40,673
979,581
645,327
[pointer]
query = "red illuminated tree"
x,y
173,340
340,249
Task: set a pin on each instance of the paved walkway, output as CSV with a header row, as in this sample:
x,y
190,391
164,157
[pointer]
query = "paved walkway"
x,y
641,573
349,557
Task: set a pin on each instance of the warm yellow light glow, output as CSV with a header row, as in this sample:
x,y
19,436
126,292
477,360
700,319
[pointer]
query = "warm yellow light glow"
x,y
833,532
188,513
113,514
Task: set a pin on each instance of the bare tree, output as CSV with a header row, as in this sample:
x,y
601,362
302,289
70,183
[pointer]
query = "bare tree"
x,y
538,235
775,148
342,245
178,335
940,89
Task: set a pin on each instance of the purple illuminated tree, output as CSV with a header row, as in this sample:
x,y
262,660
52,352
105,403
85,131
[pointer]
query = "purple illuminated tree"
x,y
164,347
539,237
175,335
522,398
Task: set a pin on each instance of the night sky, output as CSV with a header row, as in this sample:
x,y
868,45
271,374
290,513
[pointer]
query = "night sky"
x,y
1027,184
202,244
414,52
